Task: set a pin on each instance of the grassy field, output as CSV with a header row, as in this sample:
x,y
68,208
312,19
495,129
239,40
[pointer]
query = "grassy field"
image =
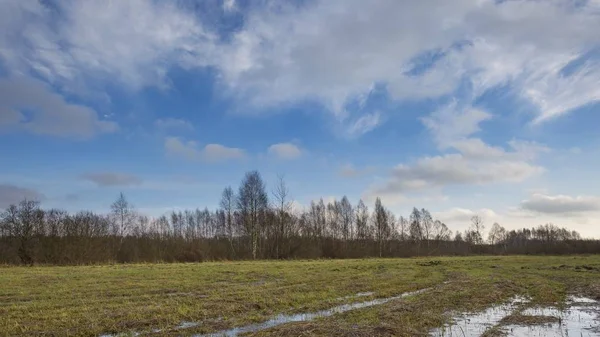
x,y
92,300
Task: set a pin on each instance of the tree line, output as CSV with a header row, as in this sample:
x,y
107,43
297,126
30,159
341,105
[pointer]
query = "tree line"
x,y
252,223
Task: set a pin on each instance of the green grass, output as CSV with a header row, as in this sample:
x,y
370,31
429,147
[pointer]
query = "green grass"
x,y
90,300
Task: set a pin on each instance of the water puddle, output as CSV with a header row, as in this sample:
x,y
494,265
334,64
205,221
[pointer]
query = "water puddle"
x,y
365,294
578,299
187,325
182,326
467,325
283,319
581,318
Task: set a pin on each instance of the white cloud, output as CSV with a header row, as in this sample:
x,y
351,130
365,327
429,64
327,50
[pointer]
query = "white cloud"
x,y
173,124
133,43
400,201
334,51
210,153
11,194
459,219
229,5
451,123
464,215
217,152
286,151
561,204
364,124
106,179
331,51
476,163
349,171
50,114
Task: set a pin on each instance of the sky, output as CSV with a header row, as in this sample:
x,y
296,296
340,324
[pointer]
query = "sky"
x,y
463,107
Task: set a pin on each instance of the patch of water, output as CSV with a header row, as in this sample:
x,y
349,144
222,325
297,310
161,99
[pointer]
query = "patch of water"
x,y
578,299
283,319
182,326
122,334
466,325
577,320
365,294
187,325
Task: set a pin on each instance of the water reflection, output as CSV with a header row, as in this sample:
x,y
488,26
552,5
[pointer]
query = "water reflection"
x,y
466,325
283,319
581,318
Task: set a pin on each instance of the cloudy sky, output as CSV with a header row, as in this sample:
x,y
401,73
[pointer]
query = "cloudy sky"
x,y
462,107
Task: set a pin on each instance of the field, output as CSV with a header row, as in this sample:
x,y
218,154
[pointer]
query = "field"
x,y
199,298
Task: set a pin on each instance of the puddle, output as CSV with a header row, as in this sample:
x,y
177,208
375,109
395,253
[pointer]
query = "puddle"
x,y
467,325
187,325
122,334
581,319
365,294
182,326
577,299
283,319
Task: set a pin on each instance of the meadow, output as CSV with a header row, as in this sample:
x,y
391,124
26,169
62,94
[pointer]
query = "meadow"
x,y
185,299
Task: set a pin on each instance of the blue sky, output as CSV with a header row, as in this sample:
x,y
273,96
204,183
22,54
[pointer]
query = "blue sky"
x,y
464,107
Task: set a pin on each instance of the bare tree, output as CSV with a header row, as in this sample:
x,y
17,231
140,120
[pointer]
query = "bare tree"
x,y
416,229
252,203
123,215
283,205
228,206
22,221
441,231
391,226
141,226
362,219
334,219
380,220
427,225
403,228
458,237
497,234
30,234
347,212
477,229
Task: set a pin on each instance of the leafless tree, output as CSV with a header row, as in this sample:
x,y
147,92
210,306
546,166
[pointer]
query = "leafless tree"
x,y
21,221
402,228
416,228
123,215
347,218
441,231
227,204
380,220
458,237
30,234
252,202
362,221
283,206
477,229
427,225
497,234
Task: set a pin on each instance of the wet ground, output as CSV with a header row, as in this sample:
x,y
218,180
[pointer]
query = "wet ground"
x,y
305,317
579,317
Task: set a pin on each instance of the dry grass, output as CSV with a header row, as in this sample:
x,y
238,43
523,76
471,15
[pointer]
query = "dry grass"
x,y
90,300
528,320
